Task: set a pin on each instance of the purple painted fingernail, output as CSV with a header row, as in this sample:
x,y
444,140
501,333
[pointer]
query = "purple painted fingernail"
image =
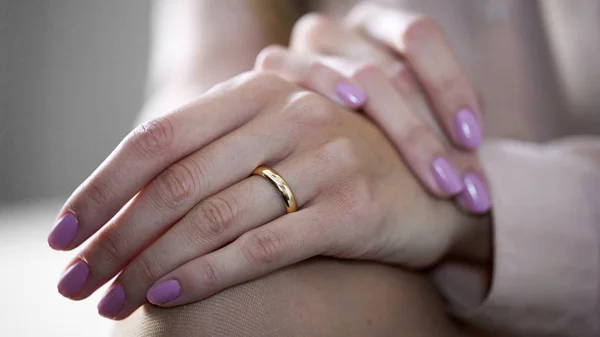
x,y
74,279
447,175
468,130
63,232
164,292
112,302
475,196
350,94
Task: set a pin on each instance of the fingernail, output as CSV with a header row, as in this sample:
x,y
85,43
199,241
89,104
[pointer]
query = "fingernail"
x,y
112,302
475,197
447,175
63,232
164,292
468,130
350,94
74,279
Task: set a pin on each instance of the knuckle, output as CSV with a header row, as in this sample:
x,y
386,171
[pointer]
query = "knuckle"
x,y
209,275
431,143
144,270
263,246
421,27
212,218
110,251
265,86
403,72
415,136
179,183
449,88
311,110
267,81
153,138
367,72
405,81
270,57
357,197
343,152
97,194
316,71
359,11
308,27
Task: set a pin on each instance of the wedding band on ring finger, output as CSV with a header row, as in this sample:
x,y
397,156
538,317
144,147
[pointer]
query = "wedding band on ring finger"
x,y
281,185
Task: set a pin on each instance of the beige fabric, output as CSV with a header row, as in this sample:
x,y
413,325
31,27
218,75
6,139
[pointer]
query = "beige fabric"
x,y
547,242
319,297
536,64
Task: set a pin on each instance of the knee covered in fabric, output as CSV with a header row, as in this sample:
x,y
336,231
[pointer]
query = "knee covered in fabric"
x,y
318,297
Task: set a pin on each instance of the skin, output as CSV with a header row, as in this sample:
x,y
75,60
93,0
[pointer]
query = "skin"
x,y
375,35
178,184
400,47
192,198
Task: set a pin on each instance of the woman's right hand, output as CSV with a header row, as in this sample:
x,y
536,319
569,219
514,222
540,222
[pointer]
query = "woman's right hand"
x,y
181,219
400,69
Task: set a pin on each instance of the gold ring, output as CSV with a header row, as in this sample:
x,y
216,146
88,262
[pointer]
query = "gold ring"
x,y
280,184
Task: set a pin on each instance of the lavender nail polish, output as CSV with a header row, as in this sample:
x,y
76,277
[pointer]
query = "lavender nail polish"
x,y
112,302
74,279
447,176
63,232
468,129
475,196
164,292
350,94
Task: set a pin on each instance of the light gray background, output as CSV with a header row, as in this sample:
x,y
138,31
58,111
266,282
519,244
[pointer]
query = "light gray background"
x,y
71,81
72,78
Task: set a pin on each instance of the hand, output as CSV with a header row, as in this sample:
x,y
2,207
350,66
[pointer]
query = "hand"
x,y
401,70
179,213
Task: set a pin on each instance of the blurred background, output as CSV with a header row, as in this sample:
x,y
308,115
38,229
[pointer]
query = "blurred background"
x,y
72,79
94,53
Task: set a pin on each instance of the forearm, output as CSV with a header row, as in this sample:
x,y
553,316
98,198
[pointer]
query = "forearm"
x,y
197,44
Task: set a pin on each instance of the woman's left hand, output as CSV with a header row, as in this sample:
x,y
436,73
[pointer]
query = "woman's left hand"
x,y
400,70
181,220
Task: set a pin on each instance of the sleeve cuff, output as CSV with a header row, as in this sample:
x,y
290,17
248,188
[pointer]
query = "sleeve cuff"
x,y
546,217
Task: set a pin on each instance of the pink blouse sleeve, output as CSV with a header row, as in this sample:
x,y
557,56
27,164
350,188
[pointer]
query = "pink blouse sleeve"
x,y
546,218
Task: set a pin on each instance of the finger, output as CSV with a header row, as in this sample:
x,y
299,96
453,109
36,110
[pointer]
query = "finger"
x,y
155,145
342,49
424,45
402,79
475,197
406,109
285,241
220,219
318,34
417,142
174,192
312,75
